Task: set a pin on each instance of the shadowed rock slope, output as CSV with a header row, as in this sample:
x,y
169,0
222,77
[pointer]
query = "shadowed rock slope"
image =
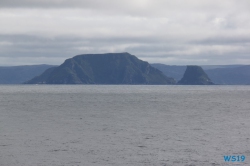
x,y
111,68
194,75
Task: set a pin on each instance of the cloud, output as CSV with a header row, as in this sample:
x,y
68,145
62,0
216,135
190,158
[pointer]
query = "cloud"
x,y
172,32
130,7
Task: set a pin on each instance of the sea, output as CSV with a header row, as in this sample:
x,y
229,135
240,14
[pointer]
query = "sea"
x,y
124,125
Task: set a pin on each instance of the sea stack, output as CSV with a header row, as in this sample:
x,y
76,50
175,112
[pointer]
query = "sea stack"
x,y
110,68
195,75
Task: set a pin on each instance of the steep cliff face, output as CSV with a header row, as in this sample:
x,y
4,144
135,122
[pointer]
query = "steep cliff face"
x,y
194,75
112,68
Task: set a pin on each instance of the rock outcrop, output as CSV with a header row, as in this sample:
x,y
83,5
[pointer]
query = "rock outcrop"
x,y
194,75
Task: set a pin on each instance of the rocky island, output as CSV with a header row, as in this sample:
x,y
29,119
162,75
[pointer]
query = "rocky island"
x,y
194,75
110,68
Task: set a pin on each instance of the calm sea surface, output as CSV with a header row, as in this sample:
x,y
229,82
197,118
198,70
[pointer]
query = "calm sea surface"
x,y
123,125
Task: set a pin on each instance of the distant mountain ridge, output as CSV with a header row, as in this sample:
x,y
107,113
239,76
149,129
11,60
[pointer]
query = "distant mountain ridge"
x,y
219,74
173,71
111,68
20,74
230,76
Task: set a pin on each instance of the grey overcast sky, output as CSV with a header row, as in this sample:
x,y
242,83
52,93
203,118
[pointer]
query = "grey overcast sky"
x,y
175,32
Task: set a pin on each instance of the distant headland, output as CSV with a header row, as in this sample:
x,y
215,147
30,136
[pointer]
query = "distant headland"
x,y
110,68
